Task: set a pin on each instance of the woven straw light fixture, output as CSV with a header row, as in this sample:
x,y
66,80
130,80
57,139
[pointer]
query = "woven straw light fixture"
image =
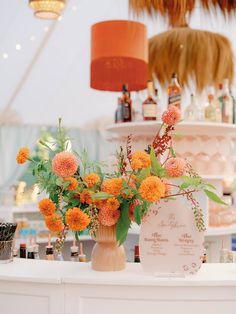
x,y
175,9
201,56
47,9
119,55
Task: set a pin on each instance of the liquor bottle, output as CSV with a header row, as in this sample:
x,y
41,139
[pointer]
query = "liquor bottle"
x,y
74,252
227,104
136,254
232,93
149,105
190,113
30,250
49,250
36,251
59,257
137,108
82,256
119,111
157,100
22,250
210,109
126,104
219,103
174,92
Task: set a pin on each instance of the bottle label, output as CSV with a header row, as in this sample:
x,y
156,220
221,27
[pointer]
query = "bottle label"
x,y
149,111
174,100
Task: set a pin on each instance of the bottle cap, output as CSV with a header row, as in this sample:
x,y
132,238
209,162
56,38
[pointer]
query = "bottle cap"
x,y
174,75
74,249
23,246
30,249
136,250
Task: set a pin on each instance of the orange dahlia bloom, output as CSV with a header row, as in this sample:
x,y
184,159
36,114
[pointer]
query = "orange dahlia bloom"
x,y
64,164
175,167
54,223
73,183
85,196
112,203
92,179
23,155
112,186
108,217
171,116
76,219
167,186
47,207
140,160
152,189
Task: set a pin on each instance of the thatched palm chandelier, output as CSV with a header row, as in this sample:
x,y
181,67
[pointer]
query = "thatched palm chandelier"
x,y
201,56
174,9
197,55
47,9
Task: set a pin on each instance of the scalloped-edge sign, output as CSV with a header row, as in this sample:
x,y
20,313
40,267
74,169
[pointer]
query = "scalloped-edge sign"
x,y
170,242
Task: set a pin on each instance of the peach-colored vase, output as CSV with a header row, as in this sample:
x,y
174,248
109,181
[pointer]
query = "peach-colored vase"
x,y
106,254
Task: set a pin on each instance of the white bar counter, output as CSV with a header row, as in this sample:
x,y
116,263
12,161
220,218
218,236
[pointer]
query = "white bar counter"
x,y
42,287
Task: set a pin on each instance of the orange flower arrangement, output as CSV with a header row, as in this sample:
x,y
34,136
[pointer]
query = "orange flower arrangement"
x,y
64,164
54,223
47,207
93,198
23,155
76,219
140,160
112,186
152,189
92,179
73,183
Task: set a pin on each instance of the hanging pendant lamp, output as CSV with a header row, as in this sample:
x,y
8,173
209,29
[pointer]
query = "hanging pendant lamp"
x,y
119,54
47,9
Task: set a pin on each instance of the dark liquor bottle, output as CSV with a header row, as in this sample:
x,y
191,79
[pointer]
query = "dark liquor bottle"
x,y
149,105
136,254
22,250
174,92
126,104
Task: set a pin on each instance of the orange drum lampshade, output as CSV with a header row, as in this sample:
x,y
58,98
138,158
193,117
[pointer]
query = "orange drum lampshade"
x,y
119,55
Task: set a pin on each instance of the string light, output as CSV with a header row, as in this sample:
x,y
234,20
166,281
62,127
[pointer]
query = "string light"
x,y
32,38
46,28
59,19
5,55
18,47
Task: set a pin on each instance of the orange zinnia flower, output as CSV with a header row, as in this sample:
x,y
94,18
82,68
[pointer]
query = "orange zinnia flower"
x,y
112,186
92,179
108,217
85,197
23,155
140,160
64,164
112,203
54,223
47,207
175,167
73,183
76,219
152,189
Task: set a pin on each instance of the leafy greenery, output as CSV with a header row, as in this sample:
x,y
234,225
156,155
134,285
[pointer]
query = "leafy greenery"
x,y
123,224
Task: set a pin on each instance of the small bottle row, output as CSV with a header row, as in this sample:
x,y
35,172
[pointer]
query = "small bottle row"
x,y
32,252
219,107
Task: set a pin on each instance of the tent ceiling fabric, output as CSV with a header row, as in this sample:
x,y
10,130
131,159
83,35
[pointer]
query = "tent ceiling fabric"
x,y
58,82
